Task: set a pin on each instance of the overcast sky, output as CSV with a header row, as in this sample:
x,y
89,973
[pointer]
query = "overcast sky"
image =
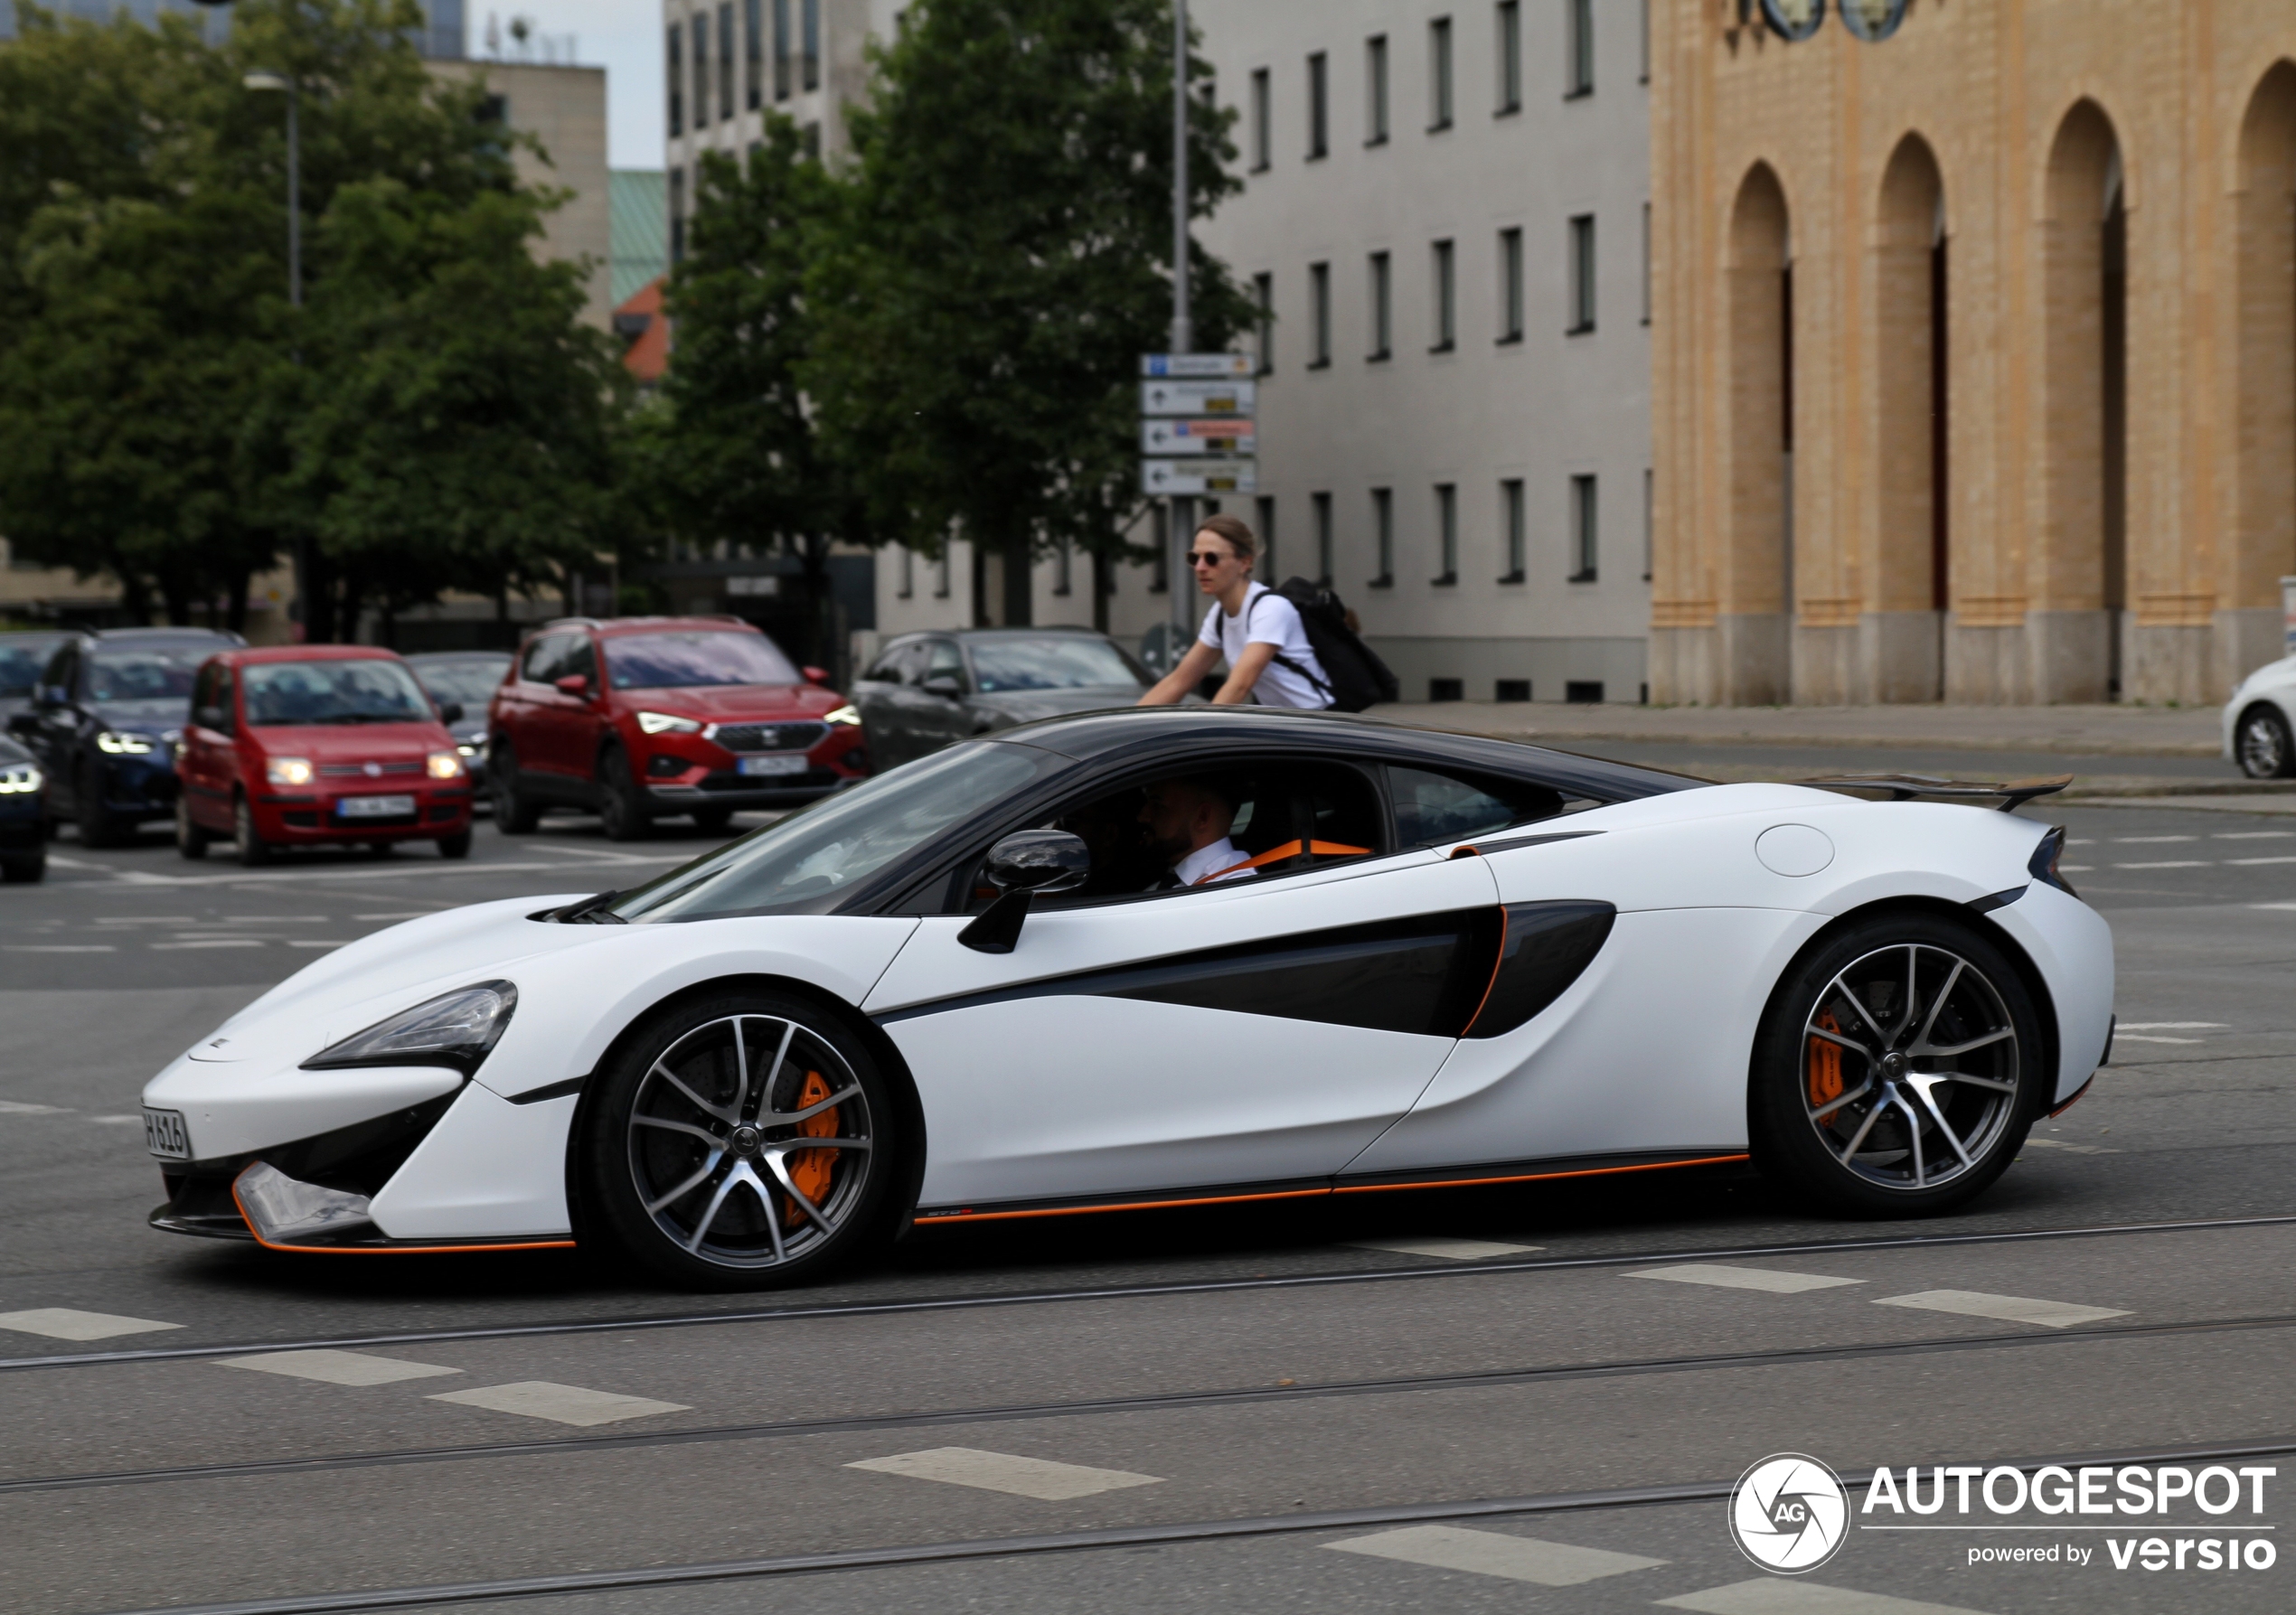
x,y
622,36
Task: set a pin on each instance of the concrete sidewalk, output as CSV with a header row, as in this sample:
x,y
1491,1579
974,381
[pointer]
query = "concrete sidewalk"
x,y
2095,731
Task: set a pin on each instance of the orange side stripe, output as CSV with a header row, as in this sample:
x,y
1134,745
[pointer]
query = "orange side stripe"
x,y
1652,1166
1497,959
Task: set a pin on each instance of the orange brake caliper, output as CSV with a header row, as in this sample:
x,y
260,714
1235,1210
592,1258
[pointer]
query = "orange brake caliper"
x,y
810,1170
1825,1064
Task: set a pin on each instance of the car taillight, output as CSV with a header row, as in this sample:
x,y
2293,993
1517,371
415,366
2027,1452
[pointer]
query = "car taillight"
x,y
2042,866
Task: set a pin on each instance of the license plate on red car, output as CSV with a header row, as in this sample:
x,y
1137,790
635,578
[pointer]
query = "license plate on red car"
x,y
374,807
789,762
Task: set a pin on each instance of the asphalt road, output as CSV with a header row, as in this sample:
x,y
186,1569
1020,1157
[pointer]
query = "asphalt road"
x,y
1481,1401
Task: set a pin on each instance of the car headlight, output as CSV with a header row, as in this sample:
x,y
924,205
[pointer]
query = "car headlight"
x,y
848,713
122,744
455,1028
289,770
17,779
667,723
446,764
466,748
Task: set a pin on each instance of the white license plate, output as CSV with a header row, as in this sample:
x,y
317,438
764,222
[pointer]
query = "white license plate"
x,y
164,1135
785,763
374,807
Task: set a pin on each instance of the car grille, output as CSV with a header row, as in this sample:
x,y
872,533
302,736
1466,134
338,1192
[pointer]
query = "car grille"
x,y
813,779
768,737
351,770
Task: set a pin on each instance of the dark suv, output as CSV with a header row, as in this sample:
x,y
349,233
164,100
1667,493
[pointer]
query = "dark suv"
x,y
644,717
105,720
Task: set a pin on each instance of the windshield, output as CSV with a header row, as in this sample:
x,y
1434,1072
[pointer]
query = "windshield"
x,y
366,690
143,675
1064,662
20,658
807,860
701,656
471,682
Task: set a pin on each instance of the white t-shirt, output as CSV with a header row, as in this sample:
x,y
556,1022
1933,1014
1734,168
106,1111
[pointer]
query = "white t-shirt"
x,y
1269,619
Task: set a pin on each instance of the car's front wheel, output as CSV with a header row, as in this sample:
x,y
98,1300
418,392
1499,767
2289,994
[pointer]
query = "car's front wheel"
x,y
741,1142
621,800
1897,1068
2263,745
24,868
516,812
190,840
247,840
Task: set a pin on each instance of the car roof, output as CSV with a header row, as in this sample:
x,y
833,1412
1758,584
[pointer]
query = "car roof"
x,y
611,626
1151,730
1024,632
432,658
261,653
161,638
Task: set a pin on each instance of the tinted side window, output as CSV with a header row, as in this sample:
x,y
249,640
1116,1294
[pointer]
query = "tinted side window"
x,y
887,668
580,658
60,668
1430,808
540,655
945,662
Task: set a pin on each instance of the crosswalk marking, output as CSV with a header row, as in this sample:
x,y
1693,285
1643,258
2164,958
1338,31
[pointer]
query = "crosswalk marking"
x,y
1446,1249
68,1323
1495,1553
2071,1148
1039,1478
561,1404
2172,863
2009,1309
17,1107
1726,1277
1772,1595
338,1368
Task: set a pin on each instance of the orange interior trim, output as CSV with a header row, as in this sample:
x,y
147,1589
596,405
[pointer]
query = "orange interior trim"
x,y
1274,855
392,1250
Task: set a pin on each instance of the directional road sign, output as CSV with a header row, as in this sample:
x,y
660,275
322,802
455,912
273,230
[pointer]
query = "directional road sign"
x,y
1234,366
1196,398
1219,435
1199,476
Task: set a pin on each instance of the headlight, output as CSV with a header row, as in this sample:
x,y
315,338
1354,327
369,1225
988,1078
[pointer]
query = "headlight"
x,y
466,748
446,764
122,746
455,1028
667,723
289,770
18,779
848,713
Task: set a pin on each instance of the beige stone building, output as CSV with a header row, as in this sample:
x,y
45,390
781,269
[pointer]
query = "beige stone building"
x,y
1974,368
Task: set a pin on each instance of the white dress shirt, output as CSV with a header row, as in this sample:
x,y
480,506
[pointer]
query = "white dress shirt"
x,y
1221,855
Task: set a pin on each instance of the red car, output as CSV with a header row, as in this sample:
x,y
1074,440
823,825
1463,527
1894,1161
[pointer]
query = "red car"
x,y
316,746
637,719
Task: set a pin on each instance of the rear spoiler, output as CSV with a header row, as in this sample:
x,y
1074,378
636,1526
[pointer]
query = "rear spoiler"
x,y
1903,787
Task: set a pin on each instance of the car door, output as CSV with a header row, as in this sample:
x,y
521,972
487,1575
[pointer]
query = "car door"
x,y
1249,1033
57,734
941,716
204,767
882,695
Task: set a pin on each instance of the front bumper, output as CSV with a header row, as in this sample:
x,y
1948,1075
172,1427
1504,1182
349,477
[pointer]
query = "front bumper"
x,y
138,787
286,817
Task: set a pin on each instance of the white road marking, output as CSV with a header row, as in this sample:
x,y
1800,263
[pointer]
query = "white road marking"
x,y
17,1107
338,1368
1038,1478
178,947
2242,862
2132,841
70,1323
561,1404
1723,1275
1495,1553
1446,1249
414,914
1769,1595
277,919
148,919
2078,868
2252,835
304,943
2070,1147
410,869
2172,1026
2142,1037
117,1120
2009,1309
2253,905
84,948
2174,863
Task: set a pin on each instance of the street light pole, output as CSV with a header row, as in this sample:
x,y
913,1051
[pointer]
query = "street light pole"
x,y
1183,533
262,80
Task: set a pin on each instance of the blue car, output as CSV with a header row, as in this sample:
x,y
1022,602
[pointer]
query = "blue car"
x,y
24,815
105,719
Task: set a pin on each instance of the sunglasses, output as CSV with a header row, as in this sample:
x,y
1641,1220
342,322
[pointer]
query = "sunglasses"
x,y
1206,558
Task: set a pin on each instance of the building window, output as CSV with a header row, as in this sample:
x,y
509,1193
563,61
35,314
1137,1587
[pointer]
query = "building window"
x,y
1063,566
1649,522
677,215
1318,111
1375,90
908,573
1448,532
726,102
1446,689
1320,504
700,70
1511,286
1261,120
1447,300
1646,263
1583,530
753,54
677,82
1511,690
1264,326
1646,42
813,44
1438,74
941,573
1579,61
1264,518
1582,274
1383,536
809,140
1381,321
1511,529
1510,41
1319,314
783,56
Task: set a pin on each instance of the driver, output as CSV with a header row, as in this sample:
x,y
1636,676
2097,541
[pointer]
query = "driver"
x,y
1188,821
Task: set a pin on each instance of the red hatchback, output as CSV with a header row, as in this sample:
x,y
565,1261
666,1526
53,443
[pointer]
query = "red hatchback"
x,y
317,745
644,717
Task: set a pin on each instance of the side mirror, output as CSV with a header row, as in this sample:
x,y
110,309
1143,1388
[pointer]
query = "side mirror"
x,y
1020,867
53,695
450,712
210,718
816,675
944,685
572,684
23,723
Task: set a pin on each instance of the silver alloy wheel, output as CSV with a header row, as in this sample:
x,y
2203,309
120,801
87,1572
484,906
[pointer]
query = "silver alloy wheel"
x,y
2264,747
749,1141
1909,1067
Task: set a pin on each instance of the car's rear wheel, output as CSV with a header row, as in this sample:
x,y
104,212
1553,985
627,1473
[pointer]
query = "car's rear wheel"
x,y
246,840
514,810
741,1142
621,801
190,840
96,827
2263,745
1897,1069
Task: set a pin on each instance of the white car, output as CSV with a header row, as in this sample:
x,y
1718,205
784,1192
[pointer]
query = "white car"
x,y
950,995
2260,720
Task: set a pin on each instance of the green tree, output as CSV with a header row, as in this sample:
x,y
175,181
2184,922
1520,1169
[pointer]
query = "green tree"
x,y
1000,258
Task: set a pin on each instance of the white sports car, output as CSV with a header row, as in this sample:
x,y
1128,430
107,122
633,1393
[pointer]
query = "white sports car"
x,y
957,992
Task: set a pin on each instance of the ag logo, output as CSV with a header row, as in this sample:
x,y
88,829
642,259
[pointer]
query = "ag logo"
x,y
1788,1513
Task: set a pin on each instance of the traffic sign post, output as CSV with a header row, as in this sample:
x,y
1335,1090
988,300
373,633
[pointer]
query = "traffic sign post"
x,y
1198,398
1183,478
1196,437
1218,433
1202,366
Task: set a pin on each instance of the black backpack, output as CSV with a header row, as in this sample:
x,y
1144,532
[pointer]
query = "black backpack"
x,y
1354,676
